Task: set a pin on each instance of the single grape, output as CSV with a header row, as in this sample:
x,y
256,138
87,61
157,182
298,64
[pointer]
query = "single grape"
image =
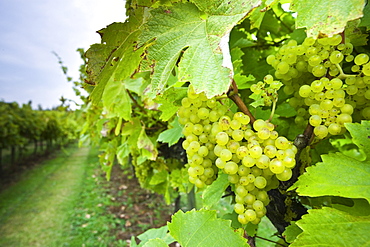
x,y
226,155
222,138
285,175
361,59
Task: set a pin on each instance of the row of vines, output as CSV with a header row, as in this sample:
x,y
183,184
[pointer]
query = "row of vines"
x,y
23,128
260,108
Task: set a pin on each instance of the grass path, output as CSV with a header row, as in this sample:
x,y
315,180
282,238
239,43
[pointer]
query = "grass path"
x,y
35,211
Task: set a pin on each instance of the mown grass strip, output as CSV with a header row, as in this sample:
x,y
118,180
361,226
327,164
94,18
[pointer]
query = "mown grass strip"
x,y
36,210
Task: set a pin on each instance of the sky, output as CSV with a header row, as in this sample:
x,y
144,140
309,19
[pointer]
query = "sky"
x,y
30,31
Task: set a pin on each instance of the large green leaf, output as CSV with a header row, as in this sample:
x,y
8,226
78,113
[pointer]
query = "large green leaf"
x,y
326,17
193,33
172,135
361,135
203,228
213,193
337,175
116,58
331,227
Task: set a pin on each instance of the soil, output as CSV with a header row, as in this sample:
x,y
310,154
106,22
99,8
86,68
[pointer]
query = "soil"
x,y
142,209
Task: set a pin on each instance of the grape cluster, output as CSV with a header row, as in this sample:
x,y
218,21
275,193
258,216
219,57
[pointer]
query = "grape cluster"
x,y
323,95
197,114
254,156
266,89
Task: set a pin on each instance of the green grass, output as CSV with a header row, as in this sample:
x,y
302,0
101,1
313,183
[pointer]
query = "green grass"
x,y
37,210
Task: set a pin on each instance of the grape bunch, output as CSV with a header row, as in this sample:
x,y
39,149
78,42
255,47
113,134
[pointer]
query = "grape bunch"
x,y
253,156
323,94
197,114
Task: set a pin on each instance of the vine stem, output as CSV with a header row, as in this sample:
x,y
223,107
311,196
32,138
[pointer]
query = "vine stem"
x,y
270,241
342,75
273,110
234,96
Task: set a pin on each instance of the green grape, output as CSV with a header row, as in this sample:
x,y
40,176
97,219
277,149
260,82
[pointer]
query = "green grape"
x,y
193,146
334,129
258,205
217,149
305,91
344,118
270,151
255,152
259,124
319,70
233,146
242,219
242,151
243,180
315,120
289,162
263,162
222,138
199,183
260,182
326,104
237,135
235,124
224,122
185,102
285,175
249,199
314,60
226,155
241,191
321,131
203,151
213,116
203,113
243,170
239,208
336,57
317,86
220,163
234,178
248,161
282,143
282,67
250,214
366,69
366,113
276,166
361,59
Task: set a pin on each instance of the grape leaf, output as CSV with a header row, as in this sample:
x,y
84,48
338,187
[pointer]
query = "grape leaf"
x,y
146,145
157,242
337,175
170,101
116,100
172,135
291,232
331,227
327,18
161,233
194,34
107,62
361,135
212,194
203,228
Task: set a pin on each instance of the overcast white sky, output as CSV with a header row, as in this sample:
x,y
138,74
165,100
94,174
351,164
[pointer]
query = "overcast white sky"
x,y
31,30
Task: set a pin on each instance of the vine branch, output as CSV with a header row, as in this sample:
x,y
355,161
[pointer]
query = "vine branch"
x,y
234,96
